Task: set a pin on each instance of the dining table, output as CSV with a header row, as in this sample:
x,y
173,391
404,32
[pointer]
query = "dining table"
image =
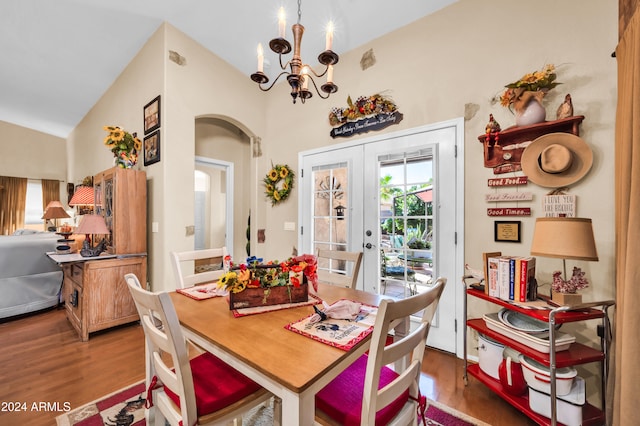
x,y
292,366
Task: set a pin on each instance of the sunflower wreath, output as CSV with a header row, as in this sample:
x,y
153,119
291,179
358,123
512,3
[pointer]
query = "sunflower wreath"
x,y
278,183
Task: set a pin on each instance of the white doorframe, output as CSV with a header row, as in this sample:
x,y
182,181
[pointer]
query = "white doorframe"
x,y
453,281
228,168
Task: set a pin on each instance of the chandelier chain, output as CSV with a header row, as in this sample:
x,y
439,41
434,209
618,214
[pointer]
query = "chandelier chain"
x,y
299,10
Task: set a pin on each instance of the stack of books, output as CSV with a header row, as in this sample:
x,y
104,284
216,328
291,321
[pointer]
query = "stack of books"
x,y
510,278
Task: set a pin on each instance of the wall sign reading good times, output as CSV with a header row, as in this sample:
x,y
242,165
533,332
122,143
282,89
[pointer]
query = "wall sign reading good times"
x,y
509,211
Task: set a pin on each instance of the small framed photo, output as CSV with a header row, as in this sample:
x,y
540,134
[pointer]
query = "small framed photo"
x,y
507,231
151,148
152,115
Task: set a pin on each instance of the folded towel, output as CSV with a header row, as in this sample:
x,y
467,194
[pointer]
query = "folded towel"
x,y
342,309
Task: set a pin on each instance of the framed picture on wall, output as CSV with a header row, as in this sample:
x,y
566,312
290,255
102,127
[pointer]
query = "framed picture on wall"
x,y
507,231
152,115
151,148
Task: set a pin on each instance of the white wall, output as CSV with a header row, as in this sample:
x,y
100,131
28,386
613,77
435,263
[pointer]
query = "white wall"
x,y
122,105
31,154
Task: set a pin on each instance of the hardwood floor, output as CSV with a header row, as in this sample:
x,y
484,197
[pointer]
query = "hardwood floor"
x,y
43,361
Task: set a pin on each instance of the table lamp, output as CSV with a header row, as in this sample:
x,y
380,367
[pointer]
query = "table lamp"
x,y
54,210
92,224
83,197
565,238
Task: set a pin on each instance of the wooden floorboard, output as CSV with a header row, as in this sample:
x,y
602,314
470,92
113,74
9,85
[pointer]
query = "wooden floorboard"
x,y
43,360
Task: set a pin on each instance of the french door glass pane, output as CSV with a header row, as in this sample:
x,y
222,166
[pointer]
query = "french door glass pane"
x,y
406,223
330,212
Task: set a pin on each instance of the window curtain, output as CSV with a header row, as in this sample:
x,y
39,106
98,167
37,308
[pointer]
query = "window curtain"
x,y
13,201
626,349
50,192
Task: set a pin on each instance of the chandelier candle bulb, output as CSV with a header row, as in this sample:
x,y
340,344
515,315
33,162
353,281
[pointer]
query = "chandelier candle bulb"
x,y
293,69
282,22
260,58
330,74
329,38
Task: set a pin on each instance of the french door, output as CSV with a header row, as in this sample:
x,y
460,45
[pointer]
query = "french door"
x,y
397,199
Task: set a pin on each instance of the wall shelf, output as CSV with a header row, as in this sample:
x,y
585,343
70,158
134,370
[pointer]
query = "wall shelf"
x,y
499,147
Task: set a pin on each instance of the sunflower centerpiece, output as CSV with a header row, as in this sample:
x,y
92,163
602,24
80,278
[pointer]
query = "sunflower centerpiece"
x,y
258,283
124,146
278,183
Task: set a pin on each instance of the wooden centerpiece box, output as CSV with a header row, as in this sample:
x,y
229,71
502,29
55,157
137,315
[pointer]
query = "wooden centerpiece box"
x,y
257,284
260,296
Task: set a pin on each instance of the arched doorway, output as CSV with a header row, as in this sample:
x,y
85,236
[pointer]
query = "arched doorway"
x,y
224,152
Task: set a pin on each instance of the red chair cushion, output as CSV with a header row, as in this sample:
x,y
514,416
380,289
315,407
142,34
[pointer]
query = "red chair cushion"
x,y
342,398
216,384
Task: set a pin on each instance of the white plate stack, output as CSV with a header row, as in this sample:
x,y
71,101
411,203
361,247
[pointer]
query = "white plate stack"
x,y
528,331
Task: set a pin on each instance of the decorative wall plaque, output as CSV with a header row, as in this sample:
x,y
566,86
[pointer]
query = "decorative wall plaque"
x,y
512,181
561,205
509,211
368,113
509,196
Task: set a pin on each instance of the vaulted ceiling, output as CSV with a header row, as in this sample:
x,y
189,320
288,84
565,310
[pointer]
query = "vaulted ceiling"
x,y
59,57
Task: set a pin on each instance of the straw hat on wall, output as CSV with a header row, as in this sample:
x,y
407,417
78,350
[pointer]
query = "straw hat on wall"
x,y
556,160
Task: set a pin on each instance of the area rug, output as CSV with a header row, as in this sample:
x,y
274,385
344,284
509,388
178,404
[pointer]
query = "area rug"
x,y
126,408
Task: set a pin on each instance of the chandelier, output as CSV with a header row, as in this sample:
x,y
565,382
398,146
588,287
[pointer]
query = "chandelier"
x,y
299,75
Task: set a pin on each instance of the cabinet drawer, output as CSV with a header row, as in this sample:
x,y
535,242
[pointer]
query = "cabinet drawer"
x,y
75,273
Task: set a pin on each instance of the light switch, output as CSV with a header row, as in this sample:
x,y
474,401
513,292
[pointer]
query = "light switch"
x,y
154,226
289,226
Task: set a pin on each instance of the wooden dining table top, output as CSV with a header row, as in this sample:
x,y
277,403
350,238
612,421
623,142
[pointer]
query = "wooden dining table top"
x,y
262,341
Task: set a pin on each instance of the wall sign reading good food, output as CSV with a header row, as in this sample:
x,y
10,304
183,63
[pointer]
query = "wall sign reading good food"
x,y
368,113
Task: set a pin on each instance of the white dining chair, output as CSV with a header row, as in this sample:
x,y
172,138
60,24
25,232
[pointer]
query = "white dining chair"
x,y
184,266
369,392
330,270
203,390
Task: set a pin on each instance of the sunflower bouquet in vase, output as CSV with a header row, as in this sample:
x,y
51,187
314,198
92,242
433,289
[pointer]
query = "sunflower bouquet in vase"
x,y
124,146
525,95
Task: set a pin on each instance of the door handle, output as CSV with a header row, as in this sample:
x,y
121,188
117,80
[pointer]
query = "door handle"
x,y
368,245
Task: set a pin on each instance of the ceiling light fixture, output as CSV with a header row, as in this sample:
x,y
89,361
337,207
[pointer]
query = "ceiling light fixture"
x,y
299,74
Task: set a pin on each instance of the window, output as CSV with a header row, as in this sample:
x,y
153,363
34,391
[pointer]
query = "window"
x,y
33,210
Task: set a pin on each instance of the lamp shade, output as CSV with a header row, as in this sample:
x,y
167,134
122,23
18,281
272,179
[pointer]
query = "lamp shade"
x,y
83,196
564,237
54,210
92,224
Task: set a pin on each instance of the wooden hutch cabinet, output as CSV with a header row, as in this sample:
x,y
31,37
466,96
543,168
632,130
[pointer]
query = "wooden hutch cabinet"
x,y
121,198
95,292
